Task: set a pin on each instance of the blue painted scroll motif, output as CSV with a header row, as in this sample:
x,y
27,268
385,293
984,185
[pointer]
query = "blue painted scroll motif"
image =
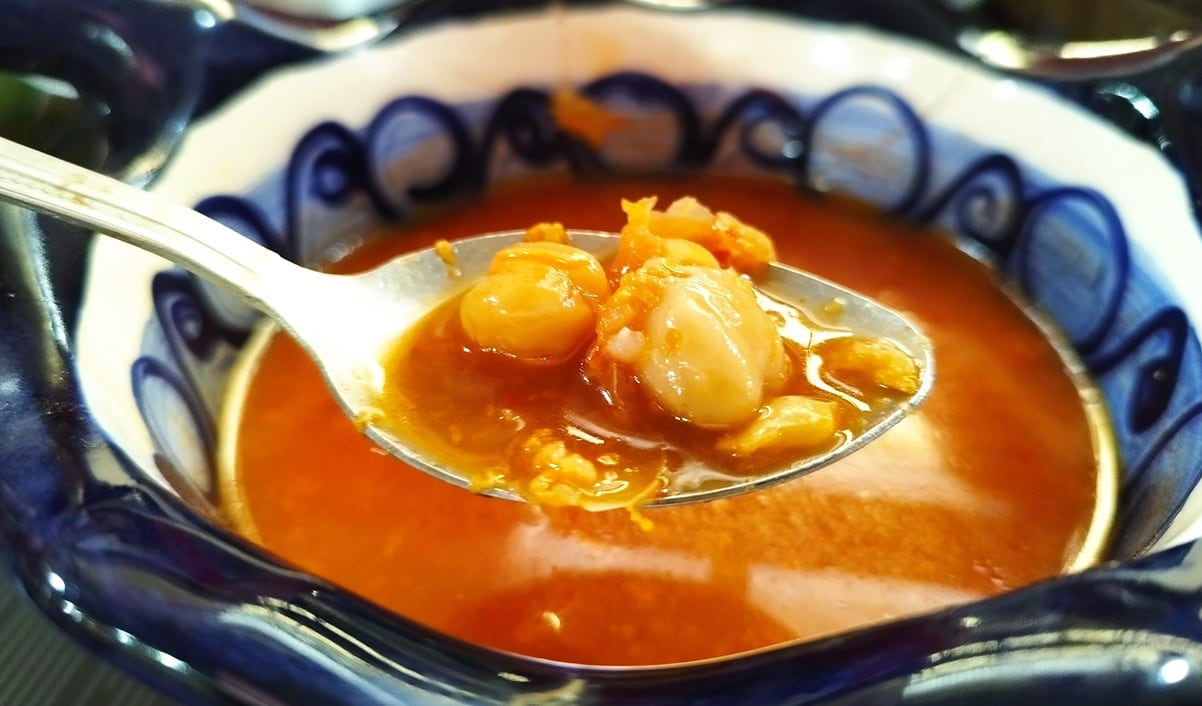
x,y
1063,244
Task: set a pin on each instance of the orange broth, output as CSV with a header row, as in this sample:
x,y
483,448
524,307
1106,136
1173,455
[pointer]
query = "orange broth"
x,y
989,486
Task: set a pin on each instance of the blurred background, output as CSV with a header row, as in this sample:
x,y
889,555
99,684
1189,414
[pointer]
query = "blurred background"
x,y
38,666
1081,20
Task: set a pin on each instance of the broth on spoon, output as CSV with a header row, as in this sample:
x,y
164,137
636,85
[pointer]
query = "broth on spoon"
x,y
350,324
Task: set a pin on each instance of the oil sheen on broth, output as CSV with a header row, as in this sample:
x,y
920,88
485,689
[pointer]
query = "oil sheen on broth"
x,y
600,386
990,485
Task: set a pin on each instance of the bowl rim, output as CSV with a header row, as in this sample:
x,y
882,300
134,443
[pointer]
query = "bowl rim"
x,y
148,499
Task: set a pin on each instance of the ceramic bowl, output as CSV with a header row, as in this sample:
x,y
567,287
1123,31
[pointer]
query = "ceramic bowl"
x,y
110,389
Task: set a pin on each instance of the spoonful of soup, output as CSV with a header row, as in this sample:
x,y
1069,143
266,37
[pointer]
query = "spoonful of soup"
x,y
671,363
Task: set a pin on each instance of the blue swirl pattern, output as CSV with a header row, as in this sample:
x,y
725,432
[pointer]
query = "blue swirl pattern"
x,y
1065,245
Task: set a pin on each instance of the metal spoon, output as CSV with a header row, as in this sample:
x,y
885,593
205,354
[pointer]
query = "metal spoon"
x,y
348,322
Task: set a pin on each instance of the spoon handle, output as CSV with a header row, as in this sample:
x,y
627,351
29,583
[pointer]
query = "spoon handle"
x,y
36,180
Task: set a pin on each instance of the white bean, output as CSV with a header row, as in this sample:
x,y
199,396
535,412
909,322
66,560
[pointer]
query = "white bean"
x,y
711,354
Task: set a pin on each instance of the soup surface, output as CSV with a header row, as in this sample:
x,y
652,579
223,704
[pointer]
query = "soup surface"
x,y
990,485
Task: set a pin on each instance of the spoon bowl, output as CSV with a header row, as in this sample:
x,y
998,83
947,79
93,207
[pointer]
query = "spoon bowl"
x,y
347,323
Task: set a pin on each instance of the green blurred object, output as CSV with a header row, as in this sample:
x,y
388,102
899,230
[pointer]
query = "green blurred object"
x,y
19,105
50,115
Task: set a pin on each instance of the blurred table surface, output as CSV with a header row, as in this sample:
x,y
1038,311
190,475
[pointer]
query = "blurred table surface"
x,y
41,667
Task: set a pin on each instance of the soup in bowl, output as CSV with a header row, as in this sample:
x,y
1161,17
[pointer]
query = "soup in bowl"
x,y
925,517
310,566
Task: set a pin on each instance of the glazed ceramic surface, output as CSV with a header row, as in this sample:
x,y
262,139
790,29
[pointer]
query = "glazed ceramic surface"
x,y
922,136
1094,225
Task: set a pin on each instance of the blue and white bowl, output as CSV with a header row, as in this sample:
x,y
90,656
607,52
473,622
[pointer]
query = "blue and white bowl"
x,y
109,393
